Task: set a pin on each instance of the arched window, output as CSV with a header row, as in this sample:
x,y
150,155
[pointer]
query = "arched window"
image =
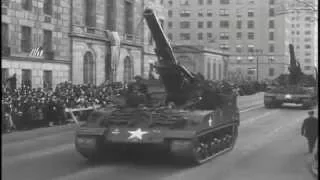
x,y
128,69
88,69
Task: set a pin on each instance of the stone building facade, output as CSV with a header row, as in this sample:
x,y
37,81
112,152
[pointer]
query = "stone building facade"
x,y
30,24
212,64
108,40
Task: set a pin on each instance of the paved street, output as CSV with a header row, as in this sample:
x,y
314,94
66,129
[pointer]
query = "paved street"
x,y
269,147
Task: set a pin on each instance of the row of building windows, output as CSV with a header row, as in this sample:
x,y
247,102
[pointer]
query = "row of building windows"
x,y
47,5
222,24
224,35
26,38
26,75
200,2
222,12
298,32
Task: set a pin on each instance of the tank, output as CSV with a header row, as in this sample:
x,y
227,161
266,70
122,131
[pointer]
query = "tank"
x,y
295,87
185,116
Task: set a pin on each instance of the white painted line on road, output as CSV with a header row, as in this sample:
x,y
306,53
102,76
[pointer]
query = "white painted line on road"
x,y
252,108
253,119
37,154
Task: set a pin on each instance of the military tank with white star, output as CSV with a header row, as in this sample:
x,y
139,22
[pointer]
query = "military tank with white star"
x,y
196,121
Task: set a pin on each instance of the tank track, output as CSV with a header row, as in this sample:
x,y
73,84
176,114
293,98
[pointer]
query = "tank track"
x,y
209,145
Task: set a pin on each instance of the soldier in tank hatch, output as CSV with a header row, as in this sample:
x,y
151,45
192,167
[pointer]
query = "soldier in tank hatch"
x,y
310,130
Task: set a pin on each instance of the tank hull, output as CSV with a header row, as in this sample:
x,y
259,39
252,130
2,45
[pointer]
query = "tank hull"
x,y
98,143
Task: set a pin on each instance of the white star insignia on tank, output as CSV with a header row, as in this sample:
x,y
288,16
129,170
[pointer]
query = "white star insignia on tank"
x,y
137,134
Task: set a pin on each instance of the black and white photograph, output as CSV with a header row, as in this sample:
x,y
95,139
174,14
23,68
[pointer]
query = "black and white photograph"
x,y
159,89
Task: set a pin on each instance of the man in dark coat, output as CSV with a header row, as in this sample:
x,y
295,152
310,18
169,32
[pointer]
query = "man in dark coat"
x,y
310,130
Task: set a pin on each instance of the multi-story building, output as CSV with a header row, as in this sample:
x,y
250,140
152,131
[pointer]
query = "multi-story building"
x,y
108,40
303,29
35,43
199,59
248,30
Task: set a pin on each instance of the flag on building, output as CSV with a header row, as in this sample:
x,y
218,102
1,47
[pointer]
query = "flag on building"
x,y
36,52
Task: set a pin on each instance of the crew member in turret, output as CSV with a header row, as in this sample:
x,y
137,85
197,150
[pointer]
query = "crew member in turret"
x,y
137,93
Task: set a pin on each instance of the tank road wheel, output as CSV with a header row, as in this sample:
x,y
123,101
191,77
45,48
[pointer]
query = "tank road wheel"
x,y
200,153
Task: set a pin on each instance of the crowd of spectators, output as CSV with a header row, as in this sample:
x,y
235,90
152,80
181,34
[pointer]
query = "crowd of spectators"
x,y
26,107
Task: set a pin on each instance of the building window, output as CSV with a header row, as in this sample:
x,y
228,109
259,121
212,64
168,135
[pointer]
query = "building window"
x,y
250,13
200,13
5,75
169,24
224,24
307,68
47,7
307,60
184,25
184,36
250,24
200,24
88,69
208,70
4,35
271,48
307,53
224,1
238,49
200,2
220,72
271,24
209,24
185,13
271,71
209,13
307,32
47,79
209,2
307,25
128,69
297,32
209,36
307,46
90,13
271,2
170,13
47,40
170,36
111,14
224,12
239,24
251,1
250,48
129,17
224,46
200,36
239,35
27,5
271,12
26,39
308,18
26,77
271,36
250,35
214,71
224,36
184,2
170,3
